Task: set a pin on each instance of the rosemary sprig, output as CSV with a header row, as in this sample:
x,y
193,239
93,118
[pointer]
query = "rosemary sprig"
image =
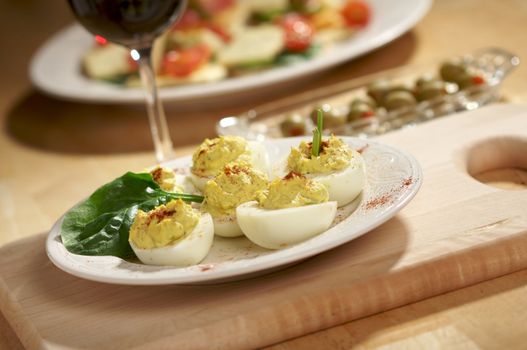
x,y
317,134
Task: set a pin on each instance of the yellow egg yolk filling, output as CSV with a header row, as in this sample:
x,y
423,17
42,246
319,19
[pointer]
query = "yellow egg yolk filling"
x,y
163,226
212,155
294,190
166,179
335,155
235,185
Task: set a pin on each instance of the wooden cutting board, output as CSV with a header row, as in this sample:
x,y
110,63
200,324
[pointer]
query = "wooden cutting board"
x,y
456,232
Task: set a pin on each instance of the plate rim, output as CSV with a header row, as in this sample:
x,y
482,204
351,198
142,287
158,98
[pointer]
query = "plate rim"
x,y
42,81
54,249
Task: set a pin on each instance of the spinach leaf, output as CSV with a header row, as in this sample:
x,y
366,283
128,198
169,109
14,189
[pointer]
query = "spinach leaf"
x,y
100,224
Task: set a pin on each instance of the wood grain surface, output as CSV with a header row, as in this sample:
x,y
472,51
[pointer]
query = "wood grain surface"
x,y
456,232
488,315
53,152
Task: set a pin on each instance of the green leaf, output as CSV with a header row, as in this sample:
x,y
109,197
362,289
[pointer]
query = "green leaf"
x,y
288,57
100,224
317,134
267,16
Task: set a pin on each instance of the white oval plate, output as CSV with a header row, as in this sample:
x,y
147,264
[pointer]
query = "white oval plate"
x,y
55,67
393,179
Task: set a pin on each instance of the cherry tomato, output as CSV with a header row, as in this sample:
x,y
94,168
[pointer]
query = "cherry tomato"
x,y
367,114
478,80
190,20
221,32
212,7
183,62
356,13
132,64
100,40
298,32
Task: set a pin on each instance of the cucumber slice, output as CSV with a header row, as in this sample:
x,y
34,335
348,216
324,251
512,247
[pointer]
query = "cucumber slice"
x,y
258,44
208,73
107,62
266,5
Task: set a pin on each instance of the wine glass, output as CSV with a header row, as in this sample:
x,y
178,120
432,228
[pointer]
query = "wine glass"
x,y
135,24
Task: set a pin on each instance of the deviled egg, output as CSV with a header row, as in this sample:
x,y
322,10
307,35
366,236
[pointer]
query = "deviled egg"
x,y
338,167
166,179
213,154
291,210
234,185
172,234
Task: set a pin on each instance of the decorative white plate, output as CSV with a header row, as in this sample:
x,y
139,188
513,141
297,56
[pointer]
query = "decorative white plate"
x,y
55,67
393,179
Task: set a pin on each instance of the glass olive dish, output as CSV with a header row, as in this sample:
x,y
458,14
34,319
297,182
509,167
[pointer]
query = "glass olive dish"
x,y
382,102
383,96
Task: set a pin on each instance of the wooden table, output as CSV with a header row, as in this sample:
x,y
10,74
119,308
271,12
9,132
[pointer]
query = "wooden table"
x,y
53,152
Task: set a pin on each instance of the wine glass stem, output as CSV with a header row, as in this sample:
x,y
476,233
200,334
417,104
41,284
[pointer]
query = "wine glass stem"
x,y
156,115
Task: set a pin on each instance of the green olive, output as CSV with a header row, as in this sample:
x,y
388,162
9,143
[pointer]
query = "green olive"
x,y
360,110
293,125
396,88
452,70
425,79
367,100
400,87
470,79
378,88
430,90
326,109
333,117
398,99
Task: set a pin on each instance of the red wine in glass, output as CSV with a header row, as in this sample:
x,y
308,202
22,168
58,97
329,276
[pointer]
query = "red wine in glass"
x,y
135,24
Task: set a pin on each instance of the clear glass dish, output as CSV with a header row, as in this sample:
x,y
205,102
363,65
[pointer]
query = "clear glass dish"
x,y
264,121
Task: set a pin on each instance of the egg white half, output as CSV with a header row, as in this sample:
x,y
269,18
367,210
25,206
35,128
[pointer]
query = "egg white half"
x,y
259,160
227,226
279,228
259,157
344,185
188,251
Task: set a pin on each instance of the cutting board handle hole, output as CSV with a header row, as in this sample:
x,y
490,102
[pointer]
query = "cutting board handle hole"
x,y
500,162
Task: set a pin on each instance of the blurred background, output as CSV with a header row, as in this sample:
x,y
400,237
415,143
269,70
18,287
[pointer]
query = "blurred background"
x,y
36,120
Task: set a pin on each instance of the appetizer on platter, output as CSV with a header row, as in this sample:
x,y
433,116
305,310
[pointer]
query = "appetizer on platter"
x,y
166,179
290,211
149,216
212,155
234,185
330,162
172,234
216,39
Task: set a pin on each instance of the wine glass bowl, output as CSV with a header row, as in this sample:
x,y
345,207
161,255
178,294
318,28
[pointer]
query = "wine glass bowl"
x,y
131,23
136,24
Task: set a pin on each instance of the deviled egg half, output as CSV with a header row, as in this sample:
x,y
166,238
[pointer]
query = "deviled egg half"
x,y
172,234
169,181
213,154
234,185
166,179
338,167
292,209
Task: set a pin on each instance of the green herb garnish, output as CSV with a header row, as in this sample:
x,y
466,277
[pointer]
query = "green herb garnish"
x,y
288,57
267,16
317,134
100,224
